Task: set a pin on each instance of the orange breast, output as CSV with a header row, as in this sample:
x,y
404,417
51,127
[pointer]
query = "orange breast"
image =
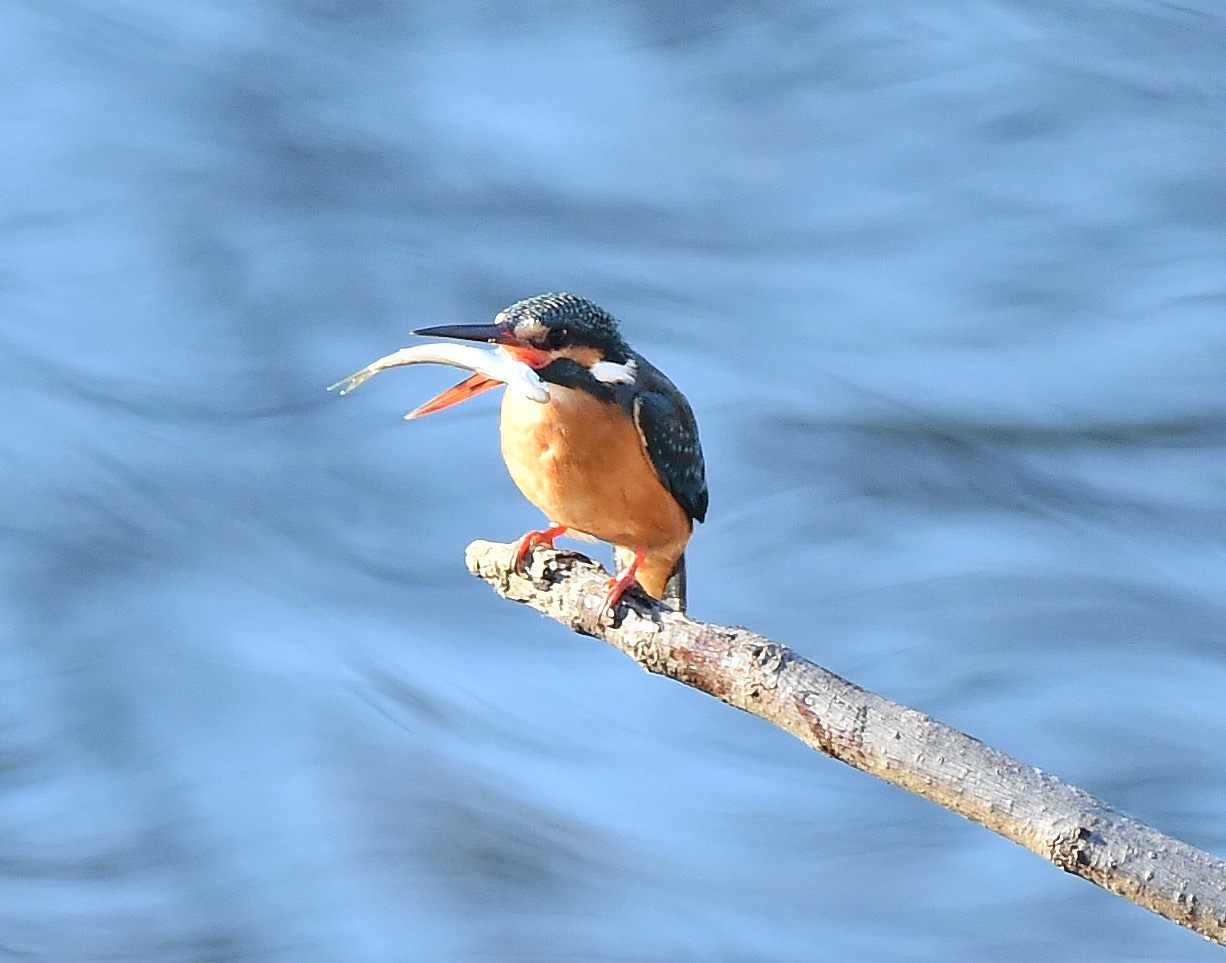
x,y
581,462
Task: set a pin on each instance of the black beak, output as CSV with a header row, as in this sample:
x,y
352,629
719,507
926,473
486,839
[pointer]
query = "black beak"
x,y
495,333
503,334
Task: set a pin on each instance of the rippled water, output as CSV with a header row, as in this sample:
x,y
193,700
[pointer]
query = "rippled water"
x,y
946,287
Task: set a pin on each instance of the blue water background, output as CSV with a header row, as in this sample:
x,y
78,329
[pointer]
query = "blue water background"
x,y
946,285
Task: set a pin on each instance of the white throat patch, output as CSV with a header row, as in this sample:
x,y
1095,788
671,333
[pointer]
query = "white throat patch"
x,y
612,373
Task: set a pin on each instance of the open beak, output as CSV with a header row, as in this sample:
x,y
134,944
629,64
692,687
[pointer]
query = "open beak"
x,y
499,334
470,387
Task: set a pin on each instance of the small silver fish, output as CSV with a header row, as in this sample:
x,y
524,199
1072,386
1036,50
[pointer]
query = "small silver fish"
x,y
491,367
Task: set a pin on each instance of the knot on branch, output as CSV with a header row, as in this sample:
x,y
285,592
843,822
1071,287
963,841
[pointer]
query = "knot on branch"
x,y
770,657
1070,850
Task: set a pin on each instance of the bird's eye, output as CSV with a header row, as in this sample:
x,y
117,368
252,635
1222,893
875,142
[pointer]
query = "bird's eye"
x,y
557,337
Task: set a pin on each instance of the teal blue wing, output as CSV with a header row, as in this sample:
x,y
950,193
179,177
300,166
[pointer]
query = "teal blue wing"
x,y
670,435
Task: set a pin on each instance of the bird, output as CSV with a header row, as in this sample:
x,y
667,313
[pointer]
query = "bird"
x,y
613,455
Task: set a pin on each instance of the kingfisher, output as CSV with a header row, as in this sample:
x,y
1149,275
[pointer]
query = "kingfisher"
x,y
613,455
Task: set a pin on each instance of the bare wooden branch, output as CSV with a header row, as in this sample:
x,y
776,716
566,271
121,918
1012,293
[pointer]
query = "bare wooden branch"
x,y
1069,827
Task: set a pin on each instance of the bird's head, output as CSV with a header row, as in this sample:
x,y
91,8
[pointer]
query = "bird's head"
x,y
567,340
561,336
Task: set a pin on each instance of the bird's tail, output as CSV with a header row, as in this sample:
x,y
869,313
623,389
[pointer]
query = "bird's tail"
x,y
674,588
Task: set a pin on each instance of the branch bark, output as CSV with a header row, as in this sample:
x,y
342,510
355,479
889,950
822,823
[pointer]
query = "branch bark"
x,y
1065,825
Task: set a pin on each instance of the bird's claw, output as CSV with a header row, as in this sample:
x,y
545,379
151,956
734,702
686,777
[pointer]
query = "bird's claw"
x,y
615,591
530,541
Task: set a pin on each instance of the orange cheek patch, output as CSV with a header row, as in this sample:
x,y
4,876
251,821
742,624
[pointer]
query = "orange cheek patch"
x,y
581,354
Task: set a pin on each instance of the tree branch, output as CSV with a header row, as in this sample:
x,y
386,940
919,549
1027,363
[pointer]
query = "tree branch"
x,y
1069,827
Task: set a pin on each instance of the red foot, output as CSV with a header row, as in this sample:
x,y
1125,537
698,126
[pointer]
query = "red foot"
x,y
621,585
533,539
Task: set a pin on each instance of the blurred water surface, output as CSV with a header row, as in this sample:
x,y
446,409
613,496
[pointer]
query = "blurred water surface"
x,y
946,286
